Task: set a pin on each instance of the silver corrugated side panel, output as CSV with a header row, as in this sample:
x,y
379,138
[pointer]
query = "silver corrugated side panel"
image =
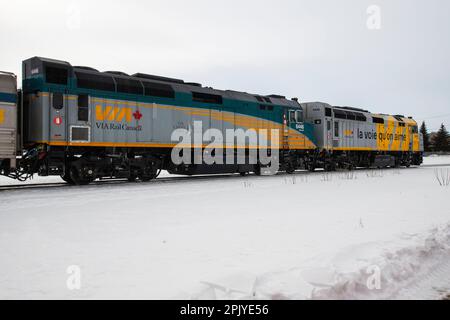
x,y
8,117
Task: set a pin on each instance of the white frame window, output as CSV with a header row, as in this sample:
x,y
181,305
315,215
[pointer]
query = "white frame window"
x,y
292,116
295,116
81,127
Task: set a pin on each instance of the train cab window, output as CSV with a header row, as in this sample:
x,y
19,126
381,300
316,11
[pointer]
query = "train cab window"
x,y
327,112
299,116
56,75
270,108
291,116
57,101
83,107
295,116
336,129
414,130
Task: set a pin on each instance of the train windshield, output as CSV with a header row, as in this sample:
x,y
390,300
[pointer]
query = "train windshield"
x,y
296,116
292,116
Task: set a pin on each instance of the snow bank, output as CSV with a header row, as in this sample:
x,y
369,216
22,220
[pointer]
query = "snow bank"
x,y
351,273
398,269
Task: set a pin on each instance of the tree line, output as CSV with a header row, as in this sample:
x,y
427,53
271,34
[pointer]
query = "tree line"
x,y
435,141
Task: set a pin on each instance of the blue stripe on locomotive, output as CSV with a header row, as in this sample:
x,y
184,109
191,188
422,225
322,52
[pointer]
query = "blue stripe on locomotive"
x,y
8,97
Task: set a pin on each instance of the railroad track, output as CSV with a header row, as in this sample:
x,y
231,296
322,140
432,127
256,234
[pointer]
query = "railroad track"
x,y
163,180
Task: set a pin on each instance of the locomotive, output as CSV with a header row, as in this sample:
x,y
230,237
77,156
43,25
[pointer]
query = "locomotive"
x,y
83,124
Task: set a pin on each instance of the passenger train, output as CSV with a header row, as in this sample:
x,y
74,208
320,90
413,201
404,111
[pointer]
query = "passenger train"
x,y
83,124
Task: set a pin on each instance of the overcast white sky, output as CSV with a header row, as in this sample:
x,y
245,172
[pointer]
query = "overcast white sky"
x,y
317,50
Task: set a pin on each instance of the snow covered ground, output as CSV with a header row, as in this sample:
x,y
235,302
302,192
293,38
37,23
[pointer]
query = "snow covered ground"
x,y
367,234
436,160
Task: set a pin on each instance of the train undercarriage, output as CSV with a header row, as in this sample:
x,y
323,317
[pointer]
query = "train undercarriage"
x,y
80,166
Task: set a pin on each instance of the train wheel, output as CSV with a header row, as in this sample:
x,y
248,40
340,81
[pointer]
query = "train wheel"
x,y
146,178
258,170
290,169
79,179
66,177
132,179
148,174
243,174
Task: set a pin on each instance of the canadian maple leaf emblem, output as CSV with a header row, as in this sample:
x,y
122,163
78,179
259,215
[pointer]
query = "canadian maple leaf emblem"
x,y
137,115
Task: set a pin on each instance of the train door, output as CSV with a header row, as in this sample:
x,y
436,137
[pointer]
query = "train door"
x,y
415,139
58,117
287,139
328,139
336,133
295,119
78,117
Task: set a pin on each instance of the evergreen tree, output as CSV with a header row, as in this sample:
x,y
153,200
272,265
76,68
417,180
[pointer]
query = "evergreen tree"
x,y
426,136
441,141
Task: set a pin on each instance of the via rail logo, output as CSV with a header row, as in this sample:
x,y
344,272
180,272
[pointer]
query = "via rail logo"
x,y
117,118
117,114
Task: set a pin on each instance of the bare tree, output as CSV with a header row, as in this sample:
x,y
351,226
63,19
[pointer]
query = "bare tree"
x,y
442,177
